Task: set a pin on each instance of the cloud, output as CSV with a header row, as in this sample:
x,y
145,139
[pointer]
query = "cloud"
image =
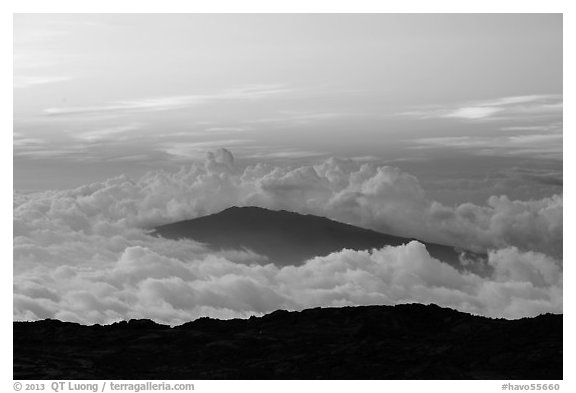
x,y
22,82
546,177
473,112
536,139
20,141
40,153
548,145
285,154
379,197
549,128
298,118
145,283
113,133
216,130
167,103
522,99
505,108
198,150
84,254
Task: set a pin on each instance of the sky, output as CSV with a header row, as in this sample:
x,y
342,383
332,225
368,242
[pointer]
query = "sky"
x,y
445,128
451,98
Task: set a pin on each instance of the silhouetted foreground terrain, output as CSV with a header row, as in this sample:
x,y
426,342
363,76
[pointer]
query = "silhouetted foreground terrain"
x,y
372,342
289,238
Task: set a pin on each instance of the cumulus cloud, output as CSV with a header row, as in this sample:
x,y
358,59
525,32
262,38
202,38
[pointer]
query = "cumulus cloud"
x,y
145,283
84,254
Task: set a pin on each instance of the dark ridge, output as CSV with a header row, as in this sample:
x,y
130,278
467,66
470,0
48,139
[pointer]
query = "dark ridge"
x,y
411,341
289,238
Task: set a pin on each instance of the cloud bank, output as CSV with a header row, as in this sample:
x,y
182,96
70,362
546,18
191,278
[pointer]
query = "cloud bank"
x,y
143,283
84,254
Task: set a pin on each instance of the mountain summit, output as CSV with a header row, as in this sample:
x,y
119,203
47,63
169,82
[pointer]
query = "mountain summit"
x,y
287,238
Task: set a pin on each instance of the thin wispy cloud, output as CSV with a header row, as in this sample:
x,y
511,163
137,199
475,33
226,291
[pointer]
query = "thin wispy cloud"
x,y
474,112
521,99
535,139
215,130
542,145
49,153
22,82
555,127
450,141
366,158
286,154
39,35
168,103
194,132
296,118
130,158
20,141
114,133
496,109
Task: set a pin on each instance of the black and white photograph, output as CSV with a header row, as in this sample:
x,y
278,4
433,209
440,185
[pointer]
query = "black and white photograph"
x,y
288,196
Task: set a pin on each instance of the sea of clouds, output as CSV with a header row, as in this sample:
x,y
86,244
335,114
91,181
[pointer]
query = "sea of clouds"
x,y
85,254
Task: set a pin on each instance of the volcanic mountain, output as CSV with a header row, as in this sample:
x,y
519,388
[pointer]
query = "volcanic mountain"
x,y
288,238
